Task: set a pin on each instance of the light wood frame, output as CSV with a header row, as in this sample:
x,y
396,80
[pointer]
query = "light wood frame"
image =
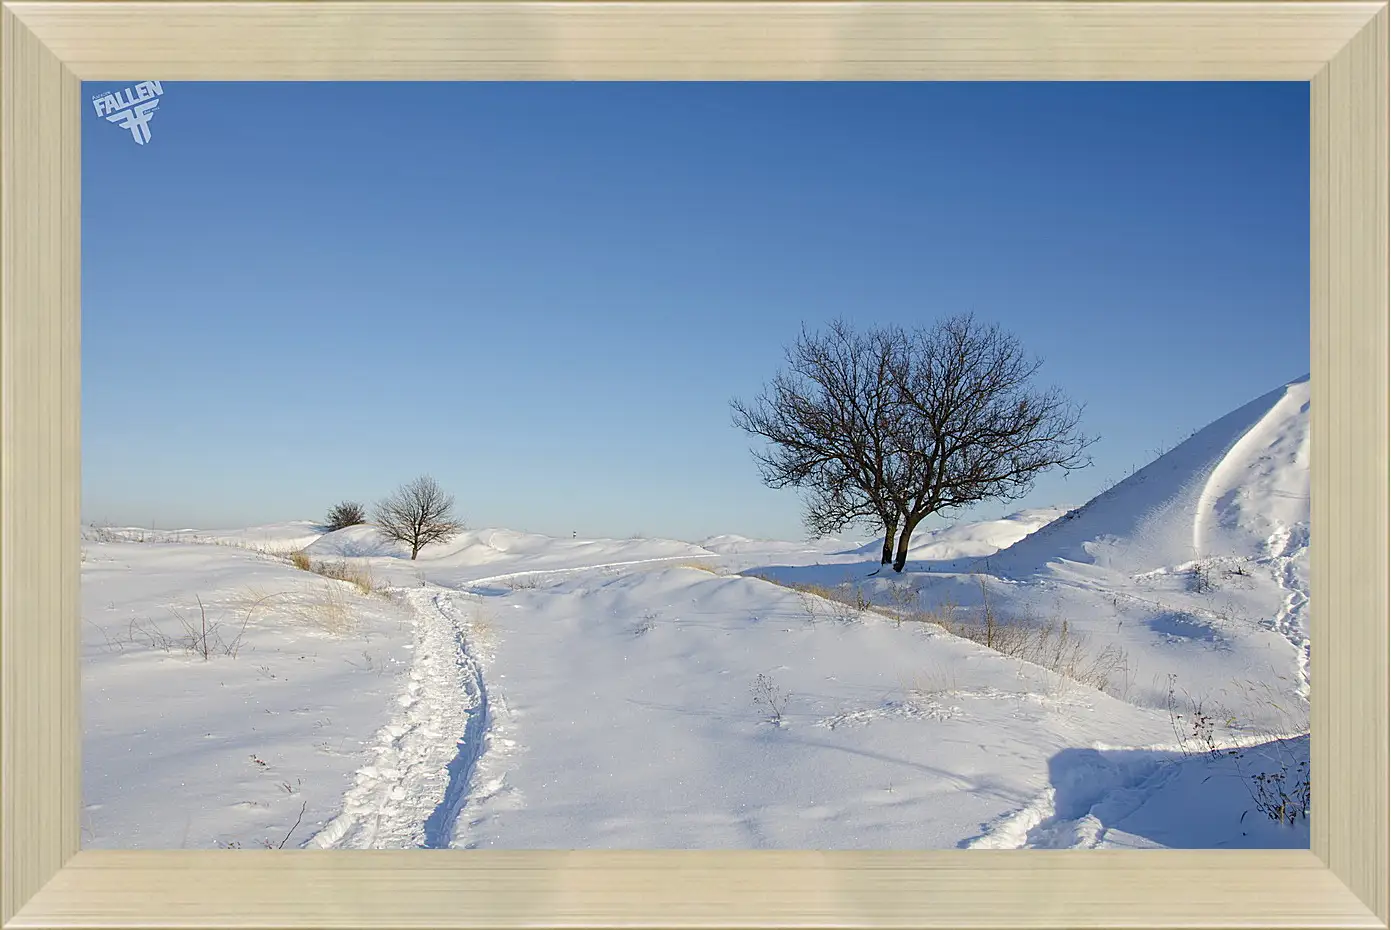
x,y
47,49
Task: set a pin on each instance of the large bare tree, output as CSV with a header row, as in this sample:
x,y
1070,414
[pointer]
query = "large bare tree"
x,y
892,426
418,513
832,425
980,429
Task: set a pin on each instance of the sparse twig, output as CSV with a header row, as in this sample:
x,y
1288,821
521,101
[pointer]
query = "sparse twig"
x,y
767,694
303,807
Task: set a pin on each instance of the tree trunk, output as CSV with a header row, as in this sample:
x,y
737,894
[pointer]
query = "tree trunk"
x,y
909,524
888,556
415,550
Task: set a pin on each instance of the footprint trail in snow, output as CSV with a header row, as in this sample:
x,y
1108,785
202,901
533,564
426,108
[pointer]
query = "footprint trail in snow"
x,y
409,795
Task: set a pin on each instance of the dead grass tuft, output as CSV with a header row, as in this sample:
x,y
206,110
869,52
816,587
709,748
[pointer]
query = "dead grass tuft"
x,y
328,611
703,566
359,577
1052,644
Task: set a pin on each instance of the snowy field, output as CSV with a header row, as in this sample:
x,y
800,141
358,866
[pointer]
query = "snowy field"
x,y
1132,673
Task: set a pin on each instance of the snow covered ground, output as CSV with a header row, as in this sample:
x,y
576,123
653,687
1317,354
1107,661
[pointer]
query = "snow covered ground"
x,y
513,691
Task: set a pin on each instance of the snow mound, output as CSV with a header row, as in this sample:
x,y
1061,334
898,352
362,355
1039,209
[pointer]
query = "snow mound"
x,y
971,540
1225,492
734,545
270,537
476,555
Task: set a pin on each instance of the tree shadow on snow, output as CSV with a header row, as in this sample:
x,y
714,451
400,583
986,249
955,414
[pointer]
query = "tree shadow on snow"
x,y
835,573
1136,798
369,547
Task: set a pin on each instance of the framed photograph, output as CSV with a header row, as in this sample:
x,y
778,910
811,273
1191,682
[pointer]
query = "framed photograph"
x,y
1069,661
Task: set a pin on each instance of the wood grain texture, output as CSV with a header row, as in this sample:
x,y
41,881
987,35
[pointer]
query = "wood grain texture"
x,y
1342,48
701,889
39,401
1349,552
694,41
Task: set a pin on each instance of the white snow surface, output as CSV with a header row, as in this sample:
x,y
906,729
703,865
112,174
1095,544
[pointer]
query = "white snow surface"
x,y
508,690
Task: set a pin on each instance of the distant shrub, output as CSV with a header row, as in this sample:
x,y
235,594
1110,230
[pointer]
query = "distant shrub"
x,y
344,515
300,560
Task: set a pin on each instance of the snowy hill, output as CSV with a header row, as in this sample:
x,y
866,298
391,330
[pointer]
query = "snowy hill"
x,y
270,537
1196,566
491,554
1235,488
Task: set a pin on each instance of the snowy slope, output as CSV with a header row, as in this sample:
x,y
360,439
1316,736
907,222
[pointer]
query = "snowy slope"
x,y
624,700
951,543
1196,566
181,751
1224,492
510,690
271,537
494,554
971,540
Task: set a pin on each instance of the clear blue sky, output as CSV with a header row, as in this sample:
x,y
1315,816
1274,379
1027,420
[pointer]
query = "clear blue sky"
x,y
546,294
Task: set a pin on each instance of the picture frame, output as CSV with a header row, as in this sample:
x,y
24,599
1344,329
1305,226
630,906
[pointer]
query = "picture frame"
x,y
48,48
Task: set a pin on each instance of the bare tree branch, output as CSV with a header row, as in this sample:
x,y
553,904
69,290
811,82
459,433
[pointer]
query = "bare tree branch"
x,y
417,514
893,426
831,424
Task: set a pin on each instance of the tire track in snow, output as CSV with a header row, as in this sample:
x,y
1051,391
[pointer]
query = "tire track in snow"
x,y
424,758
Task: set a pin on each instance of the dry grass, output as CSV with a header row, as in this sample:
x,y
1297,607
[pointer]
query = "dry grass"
x,y
325,607
931,683
480,625
703,566
1052,644
359,577
196,631
328,611
844,603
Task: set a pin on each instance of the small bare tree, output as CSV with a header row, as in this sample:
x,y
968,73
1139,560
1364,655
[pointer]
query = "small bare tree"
x,y
893,426
417,514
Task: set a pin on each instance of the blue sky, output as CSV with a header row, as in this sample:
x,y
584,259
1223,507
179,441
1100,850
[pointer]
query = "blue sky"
x,y
546,295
